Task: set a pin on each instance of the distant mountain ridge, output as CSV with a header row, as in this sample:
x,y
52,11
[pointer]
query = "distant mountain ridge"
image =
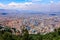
x,y
12,12
18,12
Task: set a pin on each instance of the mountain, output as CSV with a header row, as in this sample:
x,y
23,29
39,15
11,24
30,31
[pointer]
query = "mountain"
x,y
9,12
14,13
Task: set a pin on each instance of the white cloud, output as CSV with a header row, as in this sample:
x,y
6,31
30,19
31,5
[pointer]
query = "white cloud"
x,y
19,5
1,5
32,6
12,3
51,1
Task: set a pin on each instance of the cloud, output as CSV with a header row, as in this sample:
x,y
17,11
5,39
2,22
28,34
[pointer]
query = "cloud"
x,y
28,6
32,6
51,1
19,5
12,3
1,5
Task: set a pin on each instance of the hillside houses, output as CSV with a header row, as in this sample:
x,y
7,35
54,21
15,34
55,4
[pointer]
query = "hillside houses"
x,y
33,24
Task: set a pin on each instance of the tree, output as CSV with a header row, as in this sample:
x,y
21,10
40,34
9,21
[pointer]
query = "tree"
x,y
7,36
25,34
14,29
7,29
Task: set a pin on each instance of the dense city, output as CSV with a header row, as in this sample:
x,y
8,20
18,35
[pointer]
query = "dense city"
x,y
34,24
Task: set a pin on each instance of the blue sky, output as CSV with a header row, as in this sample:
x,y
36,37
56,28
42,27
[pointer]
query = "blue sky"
x,y
19,1
8,1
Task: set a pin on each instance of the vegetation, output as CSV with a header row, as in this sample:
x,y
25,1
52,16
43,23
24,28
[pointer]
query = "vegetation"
x,y
6,34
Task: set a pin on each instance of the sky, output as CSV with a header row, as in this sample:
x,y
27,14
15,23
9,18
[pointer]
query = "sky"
x,y
35,5
20,1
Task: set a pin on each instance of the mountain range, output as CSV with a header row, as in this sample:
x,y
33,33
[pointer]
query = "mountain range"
x,y
12,12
